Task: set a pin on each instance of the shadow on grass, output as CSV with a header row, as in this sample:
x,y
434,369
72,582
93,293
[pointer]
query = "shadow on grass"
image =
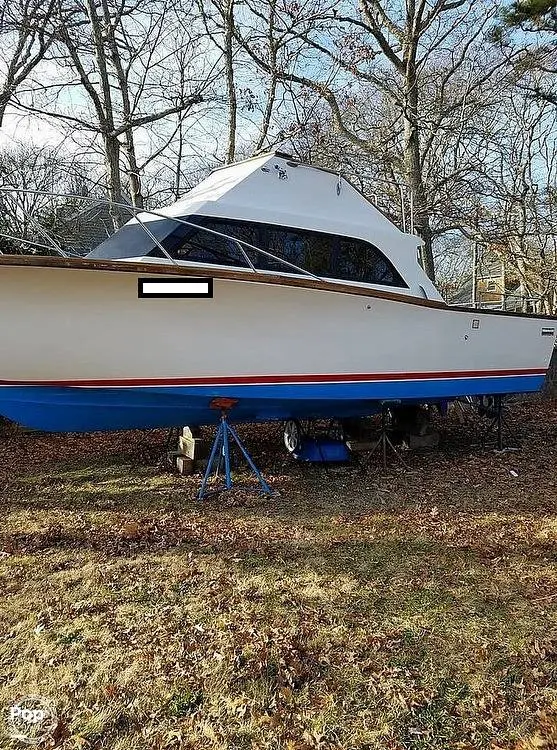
x,y
456,501
477,483
396,554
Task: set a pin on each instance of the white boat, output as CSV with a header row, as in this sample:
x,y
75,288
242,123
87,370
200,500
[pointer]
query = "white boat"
x,y
317,308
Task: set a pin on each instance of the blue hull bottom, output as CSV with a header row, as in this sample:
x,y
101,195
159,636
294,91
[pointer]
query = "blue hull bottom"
x,y
84,409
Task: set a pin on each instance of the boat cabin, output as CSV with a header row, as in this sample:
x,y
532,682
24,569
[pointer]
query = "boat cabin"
x,y
275,215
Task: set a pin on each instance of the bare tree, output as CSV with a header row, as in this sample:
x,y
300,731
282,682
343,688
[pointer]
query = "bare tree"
x,y
26,33
119,52
505,199
520,207
219,18
32,219
389,54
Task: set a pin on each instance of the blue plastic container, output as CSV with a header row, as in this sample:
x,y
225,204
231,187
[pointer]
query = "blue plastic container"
x,y
322,450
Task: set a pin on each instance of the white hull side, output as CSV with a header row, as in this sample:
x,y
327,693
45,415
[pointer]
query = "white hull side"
x,y
81,325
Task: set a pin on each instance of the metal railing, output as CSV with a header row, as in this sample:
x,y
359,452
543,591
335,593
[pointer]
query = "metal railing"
x,y
135,212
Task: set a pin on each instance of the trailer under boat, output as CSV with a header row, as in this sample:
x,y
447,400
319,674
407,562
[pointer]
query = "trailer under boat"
x,y
84,345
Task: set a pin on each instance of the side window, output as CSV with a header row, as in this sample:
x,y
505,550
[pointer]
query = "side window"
x,y
324,255
320,253
204,247
243,231
308,250
288,244
284,243
176,238
357,260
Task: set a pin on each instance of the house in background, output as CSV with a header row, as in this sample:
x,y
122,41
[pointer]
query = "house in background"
x,y
490,285
76,226
79,229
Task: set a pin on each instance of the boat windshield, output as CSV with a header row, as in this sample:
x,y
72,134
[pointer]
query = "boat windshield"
x,y
318,253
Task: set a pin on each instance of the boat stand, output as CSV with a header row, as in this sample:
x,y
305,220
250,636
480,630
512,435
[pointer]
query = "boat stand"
x,y
221,450
384,441
499,424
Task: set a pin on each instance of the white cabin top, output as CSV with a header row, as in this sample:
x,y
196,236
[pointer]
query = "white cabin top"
x,y
262,201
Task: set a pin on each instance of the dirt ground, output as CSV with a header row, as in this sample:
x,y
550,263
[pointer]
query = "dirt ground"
x,y
402,609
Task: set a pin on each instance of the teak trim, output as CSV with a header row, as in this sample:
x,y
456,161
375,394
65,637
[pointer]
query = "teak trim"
x,y
94,264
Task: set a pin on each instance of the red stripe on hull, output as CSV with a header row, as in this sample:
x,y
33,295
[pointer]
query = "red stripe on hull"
x,y
277,379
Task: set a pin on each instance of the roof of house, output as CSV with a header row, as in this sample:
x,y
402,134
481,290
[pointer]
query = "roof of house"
x,y
84,228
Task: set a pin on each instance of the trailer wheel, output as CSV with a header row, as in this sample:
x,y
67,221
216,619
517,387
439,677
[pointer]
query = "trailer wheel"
x,y
292,435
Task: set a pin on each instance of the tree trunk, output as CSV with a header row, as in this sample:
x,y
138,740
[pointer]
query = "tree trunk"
x,y
413,167
179,156
113,176
123,89
271,94
230,85
134,178
105,111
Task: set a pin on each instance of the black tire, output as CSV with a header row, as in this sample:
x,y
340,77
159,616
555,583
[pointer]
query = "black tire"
x,y
292,436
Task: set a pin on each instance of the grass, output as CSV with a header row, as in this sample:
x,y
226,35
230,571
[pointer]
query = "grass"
x,y
412,609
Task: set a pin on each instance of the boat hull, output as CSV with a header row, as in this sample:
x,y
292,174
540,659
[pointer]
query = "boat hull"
x,y
80,350
71,409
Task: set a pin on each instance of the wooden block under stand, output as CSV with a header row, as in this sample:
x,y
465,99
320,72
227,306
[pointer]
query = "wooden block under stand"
x,y
194,448
184,465
186,446
191,451
191,432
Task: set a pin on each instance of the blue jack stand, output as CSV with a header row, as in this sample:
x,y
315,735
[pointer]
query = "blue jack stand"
x,y
221,448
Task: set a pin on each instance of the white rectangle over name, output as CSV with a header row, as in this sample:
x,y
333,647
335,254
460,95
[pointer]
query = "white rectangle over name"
x,y
181,288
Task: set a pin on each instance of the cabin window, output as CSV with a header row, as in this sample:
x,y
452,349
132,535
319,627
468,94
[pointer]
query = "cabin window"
x,y
319,253
289,245
308,250
360,261
197,245
329,256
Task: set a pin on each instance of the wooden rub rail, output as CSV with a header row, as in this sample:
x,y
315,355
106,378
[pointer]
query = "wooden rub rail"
x,y
94,264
